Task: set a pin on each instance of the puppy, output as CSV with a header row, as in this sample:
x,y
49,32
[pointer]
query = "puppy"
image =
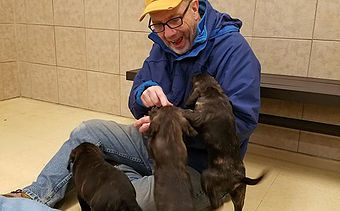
x,y
99,185
173,190
214,120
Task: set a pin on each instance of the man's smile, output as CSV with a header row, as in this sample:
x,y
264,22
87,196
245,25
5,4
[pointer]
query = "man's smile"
x,y
178,43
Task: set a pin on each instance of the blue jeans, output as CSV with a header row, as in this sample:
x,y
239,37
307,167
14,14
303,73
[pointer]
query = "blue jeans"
x,y
22,204
120,143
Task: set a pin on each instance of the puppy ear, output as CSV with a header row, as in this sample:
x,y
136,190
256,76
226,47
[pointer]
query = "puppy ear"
x,y
153,128
71,159
152,112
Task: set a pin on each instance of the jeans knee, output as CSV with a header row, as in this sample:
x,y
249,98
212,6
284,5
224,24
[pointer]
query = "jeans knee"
x,y
78,130
92,123
82,133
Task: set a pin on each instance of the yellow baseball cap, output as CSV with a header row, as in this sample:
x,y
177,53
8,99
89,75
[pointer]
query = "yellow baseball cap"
x,y
158,5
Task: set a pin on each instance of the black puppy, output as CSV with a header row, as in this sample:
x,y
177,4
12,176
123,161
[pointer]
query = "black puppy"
x,y
214,120
99,185
173,190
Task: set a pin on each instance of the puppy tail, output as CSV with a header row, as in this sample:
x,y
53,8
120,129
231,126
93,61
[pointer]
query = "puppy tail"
x,y
250,181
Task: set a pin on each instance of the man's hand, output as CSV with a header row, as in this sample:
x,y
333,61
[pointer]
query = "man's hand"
x,y
143,124
154,96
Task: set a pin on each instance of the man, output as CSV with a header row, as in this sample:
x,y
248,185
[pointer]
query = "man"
x,y
189,37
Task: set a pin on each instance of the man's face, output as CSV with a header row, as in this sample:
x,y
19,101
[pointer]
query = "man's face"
x,y
179,39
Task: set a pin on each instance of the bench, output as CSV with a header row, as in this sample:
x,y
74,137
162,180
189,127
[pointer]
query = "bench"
x,y
297,89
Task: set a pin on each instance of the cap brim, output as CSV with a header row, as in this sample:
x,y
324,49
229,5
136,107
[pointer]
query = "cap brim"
x,y
159,5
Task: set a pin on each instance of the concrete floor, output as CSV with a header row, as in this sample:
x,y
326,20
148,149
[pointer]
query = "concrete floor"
x,y
32,131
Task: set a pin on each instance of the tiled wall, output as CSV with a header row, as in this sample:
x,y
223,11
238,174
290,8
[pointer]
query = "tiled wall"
x,y
72,52
293,37
76,52
9,87
300,38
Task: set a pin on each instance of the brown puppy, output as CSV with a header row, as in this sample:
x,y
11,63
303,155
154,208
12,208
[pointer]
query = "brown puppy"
x,y
99,185
173,191
214,120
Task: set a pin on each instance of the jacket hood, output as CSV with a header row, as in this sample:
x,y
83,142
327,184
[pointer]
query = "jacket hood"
x,y
211,25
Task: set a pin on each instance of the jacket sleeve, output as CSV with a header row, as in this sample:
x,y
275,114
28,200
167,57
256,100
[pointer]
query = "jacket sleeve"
x,y
240,79
141,82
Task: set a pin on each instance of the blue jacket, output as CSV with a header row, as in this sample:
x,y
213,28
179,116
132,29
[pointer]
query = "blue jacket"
x,y
218,49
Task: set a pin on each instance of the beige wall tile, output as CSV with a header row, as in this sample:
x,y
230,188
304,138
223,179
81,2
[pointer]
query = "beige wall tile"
x,y
41,44
101,14
281,56
104,92
289,19
70,47
325,62
69,12
7,43
21,41
20,11
2,97
242,9
44,82
249,40
141,45
321,113
276,137
25,79
320,145
327,23
281,108
102,50
129,13
10,83
39,11
72,87
125,87
7,11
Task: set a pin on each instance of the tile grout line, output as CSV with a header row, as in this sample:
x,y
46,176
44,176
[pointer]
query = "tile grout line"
x,y
312,40
74,68
84,27
121,71
119,58
300,131
17,73
86,66
267,191
146,32
55,52
254,16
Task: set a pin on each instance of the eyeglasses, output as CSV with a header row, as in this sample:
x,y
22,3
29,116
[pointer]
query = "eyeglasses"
x,y
172,23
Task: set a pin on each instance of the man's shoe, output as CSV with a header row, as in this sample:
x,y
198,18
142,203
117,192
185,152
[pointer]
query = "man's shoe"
x,y
17,194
